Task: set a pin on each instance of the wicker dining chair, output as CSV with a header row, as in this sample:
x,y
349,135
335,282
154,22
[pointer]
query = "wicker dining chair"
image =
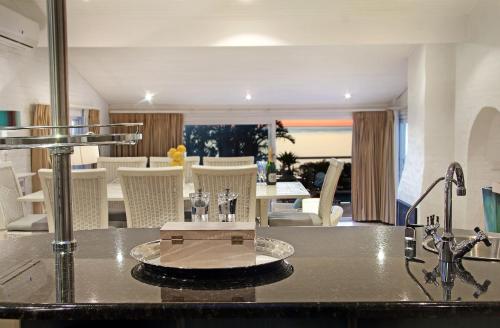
x,y
189,161
152,196
239,179
228,161
111,164
89,198
13,215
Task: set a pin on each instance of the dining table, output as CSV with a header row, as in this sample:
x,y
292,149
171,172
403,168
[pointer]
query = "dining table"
x,y
264,194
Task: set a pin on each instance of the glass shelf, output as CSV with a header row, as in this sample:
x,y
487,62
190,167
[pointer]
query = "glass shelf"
x,y
68,140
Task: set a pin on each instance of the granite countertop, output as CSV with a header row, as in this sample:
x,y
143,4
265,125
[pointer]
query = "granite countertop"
x,y
336,271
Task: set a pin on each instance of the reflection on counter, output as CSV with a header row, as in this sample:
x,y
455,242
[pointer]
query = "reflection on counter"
x,y
448,272
26,280
210,286
445,274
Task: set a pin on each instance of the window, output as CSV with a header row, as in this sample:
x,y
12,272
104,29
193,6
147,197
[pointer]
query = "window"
x,y
226,140
317,140
402,141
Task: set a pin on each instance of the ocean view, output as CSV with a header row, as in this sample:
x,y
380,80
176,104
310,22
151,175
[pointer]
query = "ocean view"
x,y
317,141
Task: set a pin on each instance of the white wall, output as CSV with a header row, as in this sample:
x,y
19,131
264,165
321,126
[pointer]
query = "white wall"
x,y
478,87
477,91
431,81
439,122
411,179
453,109
24,81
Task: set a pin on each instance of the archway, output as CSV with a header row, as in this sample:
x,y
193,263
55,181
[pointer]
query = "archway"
x,y
483,162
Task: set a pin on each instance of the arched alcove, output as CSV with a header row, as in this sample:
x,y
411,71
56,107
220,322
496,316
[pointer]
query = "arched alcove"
x,y
483,162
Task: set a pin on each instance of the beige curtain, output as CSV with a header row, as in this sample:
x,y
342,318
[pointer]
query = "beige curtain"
x,y
373,194
160,132
39,157
94,119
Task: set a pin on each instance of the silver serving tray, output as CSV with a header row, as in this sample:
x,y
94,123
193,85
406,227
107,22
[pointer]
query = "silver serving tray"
x,y
268,251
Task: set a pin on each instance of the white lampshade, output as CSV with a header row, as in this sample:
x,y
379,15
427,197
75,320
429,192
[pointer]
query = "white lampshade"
x,y
83,155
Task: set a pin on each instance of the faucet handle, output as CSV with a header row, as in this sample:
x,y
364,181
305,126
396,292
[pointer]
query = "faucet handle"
x,y
482,236
481,289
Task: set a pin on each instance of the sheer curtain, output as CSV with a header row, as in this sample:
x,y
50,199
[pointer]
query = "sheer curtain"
x,y
373,191
39,157
160,132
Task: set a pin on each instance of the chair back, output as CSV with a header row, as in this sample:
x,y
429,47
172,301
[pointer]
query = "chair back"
x,y
189,161
89,198
159,161
239,179
10,190
152,196
328,190
228,161
111,164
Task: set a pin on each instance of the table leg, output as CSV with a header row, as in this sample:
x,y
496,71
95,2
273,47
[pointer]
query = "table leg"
x,y
262,211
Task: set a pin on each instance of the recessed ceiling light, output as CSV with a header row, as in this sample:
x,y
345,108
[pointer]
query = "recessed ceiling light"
x,y
248,96
347,95
149,97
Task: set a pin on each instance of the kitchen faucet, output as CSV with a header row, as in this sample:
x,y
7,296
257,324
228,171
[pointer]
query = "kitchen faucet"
x,y
449,250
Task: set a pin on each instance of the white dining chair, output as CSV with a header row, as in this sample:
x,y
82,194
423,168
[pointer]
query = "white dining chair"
x,y
239,179
89,199
111,164
228,161
189,161
152,196
316,211
13,215
159,161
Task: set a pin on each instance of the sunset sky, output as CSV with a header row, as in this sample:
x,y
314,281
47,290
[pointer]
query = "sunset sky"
x,y
316,123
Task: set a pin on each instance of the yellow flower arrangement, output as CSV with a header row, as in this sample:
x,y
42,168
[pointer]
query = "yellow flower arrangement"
x,y
177,155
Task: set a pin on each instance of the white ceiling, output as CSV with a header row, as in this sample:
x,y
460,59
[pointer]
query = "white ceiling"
x,y
155,23
275,76
285,52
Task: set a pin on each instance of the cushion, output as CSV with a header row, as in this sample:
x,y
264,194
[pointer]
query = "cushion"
x,y
30,222
277,219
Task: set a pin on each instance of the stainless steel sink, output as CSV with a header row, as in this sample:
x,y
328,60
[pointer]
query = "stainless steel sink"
x,y
479,252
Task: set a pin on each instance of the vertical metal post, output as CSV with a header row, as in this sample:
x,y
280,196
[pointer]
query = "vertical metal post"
x,y
65,277
61,162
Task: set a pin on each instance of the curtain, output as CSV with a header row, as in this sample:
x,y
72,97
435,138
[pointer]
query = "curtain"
x,y
160,132
373,191
94,119
39,157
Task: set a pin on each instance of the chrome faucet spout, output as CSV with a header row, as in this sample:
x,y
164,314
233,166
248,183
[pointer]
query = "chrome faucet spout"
x,y
449,251
420,199
453,169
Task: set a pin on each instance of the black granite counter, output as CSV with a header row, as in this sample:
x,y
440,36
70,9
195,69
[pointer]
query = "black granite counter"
x,y
341,273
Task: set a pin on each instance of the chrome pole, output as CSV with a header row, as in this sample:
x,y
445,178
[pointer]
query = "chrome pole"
x,y
61,162
65,277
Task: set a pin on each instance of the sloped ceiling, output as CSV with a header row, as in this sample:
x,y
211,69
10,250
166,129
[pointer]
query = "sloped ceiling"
x,y
275,76
284,52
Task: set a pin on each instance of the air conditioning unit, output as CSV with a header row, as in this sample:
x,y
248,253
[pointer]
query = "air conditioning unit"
x,y
16,30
